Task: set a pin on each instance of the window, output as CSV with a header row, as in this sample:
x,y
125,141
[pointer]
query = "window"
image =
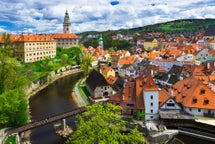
x,y
170,104
190,109
151,110
151,117
151,96
151,104
202,91
130,104
199,110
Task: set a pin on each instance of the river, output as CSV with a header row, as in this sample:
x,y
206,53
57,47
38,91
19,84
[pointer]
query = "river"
x,y
56,98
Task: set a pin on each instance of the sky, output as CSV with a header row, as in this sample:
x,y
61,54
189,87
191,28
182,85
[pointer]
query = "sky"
x,y
46,16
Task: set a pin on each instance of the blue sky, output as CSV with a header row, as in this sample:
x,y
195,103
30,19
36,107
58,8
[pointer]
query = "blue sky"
x,y
98,15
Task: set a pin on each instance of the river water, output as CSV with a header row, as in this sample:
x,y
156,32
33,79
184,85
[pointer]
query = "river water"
x,y
56,98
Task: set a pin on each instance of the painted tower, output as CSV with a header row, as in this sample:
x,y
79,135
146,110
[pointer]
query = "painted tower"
x,y
151,99
101,45
66,23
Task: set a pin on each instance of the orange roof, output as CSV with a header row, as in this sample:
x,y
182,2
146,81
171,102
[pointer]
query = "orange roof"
x,y
64,35
192,93
111,79
139,93
105,52
34,38
150,84
154,54
129,95
116,97
163,96
128,60
173,52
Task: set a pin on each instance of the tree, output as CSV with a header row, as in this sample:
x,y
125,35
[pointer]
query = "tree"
x,y
111,50
86,65
103,124
13,107
64,59
7,64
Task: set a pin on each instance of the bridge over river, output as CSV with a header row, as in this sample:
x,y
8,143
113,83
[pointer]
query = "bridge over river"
x,y
35,124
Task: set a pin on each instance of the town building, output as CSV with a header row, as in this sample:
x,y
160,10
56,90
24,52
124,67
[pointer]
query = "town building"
x,y
31,48
66,39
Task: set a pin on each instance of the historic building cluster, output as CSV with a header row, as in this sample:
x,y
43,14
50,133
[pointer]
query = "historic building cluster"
x,y
34,47
175,81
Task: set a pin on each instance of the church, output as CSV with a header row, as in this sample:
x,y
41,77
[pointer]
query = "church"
x,y
67,39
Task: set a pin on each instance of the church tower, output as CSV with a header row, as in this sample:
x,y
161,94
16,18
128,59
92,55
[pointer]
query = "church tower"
x,y
66,23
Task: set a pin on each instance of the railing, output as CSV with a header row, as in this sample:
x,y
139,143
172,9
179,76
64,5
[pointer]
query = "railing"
x,y
42,122
197,133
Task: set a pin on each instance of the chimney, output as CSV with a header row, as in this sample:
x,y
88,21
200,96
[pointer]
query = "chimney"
x,y
152,72
172,93
208,65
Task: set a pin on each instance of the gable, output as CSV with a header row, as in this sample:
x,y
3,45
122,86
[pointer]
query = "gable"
x,y
170,104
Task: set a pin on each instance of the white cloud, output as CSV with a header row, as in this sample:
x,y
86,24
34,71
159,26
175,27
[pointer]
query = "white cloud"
x,y
99,15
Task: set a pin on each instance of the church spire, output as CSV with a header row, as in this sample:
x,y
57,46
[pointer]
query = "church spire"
x,y
66,23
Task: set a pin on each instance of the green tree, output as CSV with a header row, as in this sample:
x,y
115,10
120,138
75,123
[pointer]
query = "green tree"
x,y
111,50
102,124
86,65
13,107
64,59
7,65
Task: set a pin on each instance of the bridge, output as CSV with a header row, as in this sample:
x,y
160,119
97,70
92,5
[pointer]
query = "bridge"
x,y
45,121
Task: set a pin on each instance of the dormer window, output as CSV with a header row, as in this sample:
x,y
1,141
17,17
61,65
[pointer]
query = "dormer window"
x,y
206,101
202,91
194,100
183,95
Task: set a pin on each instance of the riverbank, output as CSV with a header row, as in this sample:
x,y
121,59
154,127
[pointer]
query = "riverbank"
x,y
61,75
77,96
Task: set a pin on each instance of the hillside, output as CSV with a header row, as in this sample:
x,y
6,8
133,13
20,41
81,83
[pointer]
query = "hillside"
x,y
171,27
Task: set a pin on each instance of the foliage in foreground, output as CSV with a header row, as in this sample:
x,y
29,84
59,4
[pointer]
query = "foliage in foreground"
x,y
102,124
11,140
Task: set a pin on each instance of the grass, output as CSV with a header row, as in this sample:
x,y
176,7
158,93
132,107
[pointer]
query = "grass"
x,y
11,140
84,93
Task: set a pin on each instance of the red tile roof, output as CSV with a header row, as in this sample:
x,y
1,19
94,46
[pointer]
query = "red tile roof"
x,y
35,38
163,96
139,93
150,84
130,91
64,35
192,93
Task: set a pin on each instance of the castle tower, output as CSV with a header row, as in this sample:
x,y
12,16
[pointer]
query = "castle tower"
x,y
66,23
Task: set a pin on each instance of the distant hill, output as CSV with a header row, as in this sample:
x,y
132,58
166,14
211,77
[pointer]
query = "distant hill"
x,y
168,27
177,27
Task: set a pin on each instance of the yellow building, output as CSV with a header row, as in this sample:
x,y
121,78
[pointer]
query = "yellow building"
x,y
150,44
31,48
107,72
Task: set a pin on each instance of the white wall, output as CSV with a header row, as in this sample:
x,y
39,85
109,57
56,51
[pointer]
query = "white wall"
x,y
196,111
151,110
